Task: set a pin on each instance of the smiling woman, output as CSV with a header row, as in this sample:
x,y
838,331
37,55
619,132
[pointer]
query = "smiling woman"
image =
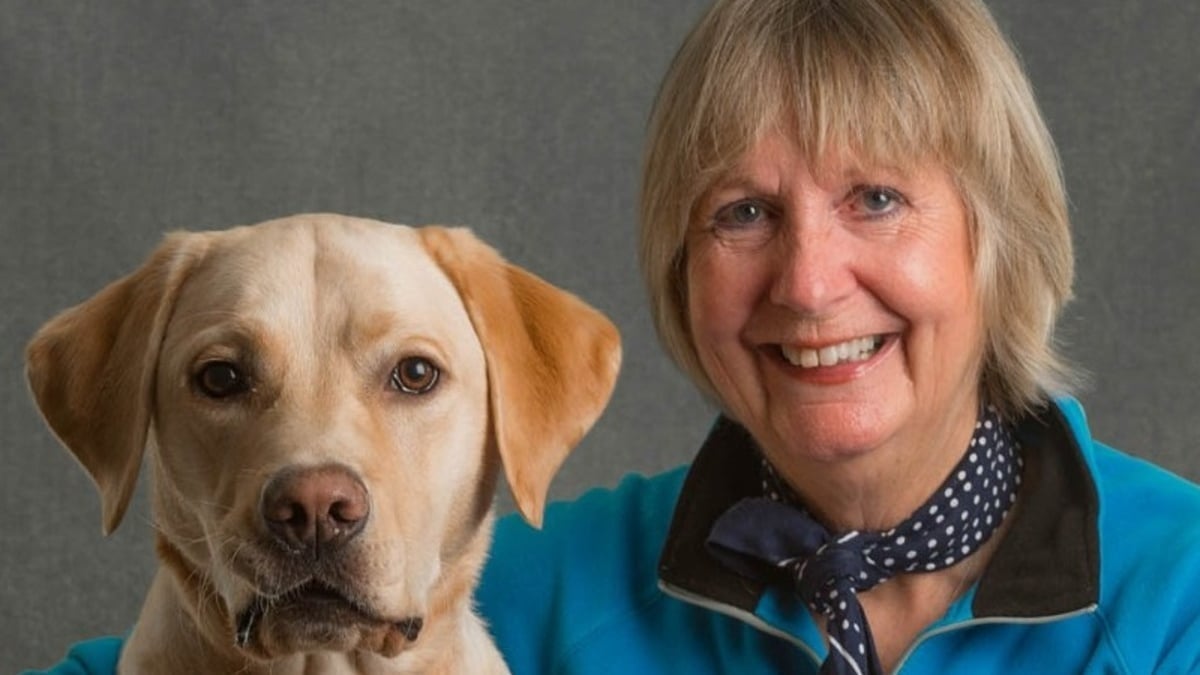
x,y
817,273
881,87
855,239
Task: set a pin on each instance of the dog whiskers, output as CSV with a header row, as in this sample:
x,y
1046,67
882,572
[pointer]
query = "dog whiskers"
x,y
246,621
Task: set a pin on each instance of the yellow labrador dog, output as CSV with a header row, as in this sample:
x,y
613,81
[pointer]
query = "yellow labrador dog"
x,y
328,402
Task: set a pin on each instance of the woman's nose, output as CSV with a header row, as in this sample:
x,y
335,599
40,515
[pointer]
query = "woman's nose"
x,y
813,268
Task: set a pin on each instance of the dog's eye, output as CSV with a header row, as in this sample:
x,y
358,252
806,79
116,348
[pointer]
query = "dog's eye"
x,y
415,375
220,379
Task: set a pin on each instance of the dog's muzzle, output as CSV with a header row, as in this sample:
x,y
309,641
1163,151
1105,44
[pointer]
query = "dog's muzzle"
x,y
310,517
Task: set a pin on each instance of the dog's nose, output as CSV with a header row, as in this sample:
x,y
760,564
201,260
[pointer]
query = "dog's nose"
x,y
315,509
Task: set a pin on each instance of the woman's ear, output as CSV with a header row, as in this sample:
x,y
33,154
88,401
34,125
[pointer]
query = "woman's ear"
x,y
552,360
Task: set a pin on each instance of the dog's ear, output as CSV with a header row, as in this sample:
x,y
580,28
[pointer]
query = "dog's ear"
x,y
91,370
552,360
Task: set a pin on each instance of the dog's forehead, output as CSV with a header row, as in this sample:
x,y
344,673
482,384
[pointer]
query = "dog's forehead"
x,y
329,271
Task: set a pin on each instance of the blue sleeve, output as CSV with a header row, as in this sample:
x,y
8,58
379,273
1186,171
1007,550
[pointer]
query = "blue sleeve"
x,y
92,657
515,603
542,592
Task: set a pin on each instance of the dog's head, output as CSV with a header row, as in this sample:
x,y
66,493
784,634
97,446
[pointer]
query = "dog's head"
x,y
331,400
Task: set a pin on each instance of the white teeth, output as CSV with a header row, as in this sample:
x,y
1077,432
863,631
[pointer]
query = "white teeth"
x,y
829,355
808,358
858,349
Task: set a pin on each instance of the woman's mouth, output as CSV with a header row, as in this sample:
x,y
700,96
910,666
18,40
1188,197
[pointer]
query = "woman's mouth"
x,y
850,351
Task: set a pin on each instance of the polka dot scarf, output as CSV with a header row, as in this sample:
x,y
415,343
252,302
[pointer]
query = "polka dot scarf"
x,y
773,538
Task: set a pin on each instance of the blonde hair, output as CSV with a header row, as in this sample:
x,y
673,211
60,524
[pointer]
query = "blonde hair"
x,y
895,81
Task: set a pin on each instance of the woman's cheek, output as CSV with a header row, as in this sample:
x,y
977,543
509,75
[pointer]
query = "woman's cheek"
x,y
716,302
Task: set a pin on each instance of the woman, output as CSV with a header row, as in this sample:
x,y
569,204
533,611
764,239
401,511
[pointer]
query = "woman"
x,y
856,241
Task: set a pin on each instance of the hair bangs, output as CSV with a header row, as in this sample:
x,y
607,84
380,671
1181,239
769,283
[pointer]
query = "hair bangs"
x,y
860,82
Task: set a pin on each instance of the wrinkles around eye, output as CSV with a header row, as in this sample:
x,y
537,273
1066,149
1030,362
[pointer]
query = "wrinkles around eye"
x,y
742,223
875,201
743,213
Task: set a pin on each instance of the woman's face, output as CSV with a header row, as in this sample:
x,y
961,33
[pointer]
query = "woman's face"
x,y
835,312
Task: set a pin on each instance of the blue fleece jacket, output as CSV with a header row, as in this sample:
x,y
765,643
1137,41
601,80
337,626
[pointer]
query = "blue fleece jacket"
x,y
1099,572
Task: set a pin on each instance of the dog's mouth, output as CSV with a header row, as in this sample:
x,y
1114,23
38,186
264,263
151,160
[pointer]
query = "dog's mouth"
x,y
316,614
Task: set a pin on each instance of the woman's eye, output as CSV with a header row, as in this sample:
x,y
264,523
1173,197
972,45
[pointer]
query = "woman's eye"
x,y
873,201
741,213
415,375
743,223
221,379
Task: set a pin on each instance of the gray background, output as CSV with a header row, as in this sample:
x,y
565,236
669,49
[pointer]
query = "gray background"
x,y
121,120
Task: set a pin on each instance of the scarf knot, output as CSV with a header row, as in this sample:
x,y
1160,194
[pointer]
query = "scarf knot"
x,y
834,570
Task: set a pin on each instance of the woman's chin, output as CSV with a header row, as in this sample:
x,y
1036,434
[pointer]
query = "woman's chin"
x,y
830,433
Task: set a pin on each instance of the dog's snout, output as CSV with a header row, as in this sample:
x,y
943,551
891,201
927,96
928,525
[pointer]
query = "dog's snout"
x,y
315,510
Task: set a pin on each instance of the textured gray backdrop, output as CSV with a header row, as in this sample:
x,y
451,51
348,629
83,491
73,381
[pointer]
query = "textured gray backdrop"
x,y
120,120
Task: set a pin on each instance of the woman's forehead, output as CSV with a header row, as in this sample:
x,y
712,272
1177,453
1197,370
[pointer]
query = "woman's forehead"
x,y
779,148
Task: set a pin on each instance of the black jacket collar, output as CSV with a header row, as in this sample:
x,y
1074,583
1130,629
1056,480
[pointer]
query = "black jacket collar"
x,y
1048,563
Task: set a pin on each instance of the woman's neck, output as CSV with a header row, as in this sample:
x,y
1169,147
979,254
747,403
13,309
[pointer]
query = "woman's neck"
x,y
877,490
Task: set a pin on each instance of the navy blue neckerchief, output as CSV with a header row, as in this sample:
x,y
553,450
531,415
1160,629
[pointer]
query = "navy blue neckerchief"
x,y
774,539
